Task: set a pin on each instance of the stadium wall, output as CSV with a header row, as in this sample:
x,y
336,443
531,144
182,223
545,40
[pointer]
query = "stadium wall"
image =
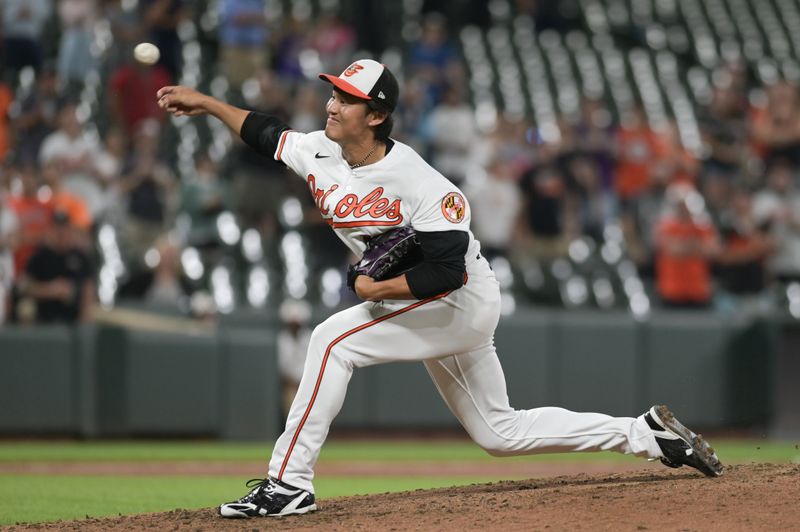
x,y
112,381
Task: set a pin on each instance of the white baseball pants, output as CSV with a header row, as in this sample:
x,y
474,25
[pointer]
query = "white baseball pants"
x,y
453,335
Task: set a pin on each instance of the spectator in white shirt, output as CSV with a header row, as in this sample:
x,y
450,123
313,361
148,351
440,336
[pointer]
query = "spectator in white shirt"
x,y
77,152
495,199
453,135
777,208
109,163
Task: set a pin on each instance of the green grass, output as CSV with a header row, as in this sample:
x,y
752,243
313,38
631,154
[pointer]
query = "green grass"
x,y
72,497
75,497
730,450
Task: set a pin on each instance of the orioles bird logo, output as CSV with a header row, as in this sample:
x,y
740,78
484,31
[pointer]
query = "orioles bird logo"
x,y
353,69
454,207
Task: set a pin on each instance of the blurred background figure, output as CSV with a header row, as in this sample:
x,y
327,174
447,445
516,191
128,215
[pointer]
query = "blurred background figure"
x,y
148,186
495,202
108,165
126,30
639,225
61,199
6,100
723,125
289,44
243,38
637,150
130,93
776,208
35,115
673,162
57,284
9,238
433,57
453,135
203,197
686,245
167,288
746,247
333,40
308,116
293,340
259,184
23,25
34,212
544,207
410,115
75,152
777,130
75,58
160,21
592,203
593,136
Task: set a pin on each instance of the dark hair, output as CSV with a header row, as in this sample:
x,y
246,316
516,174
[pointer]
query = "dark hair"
x,y
384,129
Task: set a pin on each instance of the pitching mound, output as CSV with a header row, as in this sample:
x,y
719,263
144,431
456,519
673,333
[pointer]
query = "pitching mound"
x,y
761,496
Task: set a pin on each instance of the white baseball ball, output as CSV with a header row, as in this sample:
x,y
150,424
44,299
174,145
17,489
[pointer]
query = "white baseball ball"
x,y
146,53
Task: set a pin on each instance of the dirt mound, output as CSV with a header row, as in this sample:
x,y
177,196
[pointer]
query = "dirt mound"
x,y
760,496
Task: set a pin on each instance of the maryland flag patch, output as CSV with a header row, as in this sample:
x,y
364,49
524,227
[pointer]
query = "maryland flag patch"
x,y
454,207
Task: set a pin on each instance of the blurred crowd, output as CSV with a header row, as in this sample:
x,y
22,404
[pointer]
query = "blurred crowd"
x,y
704,229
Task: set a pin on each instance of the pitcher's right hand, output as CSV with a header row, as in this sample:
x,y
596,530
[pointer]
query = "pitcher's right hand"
x,y
180,100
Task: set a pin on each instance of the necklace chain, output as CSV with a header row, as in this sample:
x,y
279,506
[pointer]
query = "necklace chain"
x,y
362,161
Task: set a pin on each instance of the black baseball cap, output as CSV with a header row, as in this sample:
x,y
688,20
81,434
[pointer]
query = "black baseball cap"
x,y
368,80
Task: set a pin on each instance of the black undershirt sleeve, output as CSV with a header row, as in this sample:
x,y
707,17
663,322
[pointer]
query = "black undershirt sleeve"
x,y
262,132
443,266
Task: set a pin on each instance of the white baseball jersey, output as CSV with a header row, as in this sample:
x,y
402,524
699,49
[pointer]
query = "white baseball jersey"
x,y
359,203
452,333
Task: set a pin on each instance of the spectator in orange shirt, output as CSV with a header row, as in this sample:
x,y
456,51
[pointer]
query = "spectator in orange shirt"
x,y
33,212
686,244
668,163
674,163
62,201
637,148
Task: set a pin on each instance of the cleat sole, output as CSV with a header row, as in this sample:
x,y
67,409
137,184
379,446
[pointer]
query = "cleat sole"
x,y
307,509
700,447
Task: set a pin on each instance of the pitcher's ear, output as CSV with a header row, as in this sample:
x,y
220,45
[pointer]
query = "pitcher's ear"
x,y
377,118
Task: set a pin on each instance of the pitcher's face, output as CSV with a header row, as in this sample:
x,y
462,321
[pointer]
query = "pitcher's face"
x,y
349,118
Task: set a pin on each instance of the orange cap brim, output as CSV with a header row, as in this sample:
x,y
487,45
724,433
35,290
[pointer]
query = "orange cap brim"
x,y
344,86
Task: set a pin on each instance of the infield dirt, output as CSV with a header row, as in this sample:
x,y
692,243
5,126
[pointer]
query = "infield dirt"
x,y
746,497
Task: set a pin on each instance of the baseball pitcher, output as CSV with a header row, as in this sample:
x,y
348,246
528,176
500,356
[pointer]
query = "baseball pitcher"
x,y
439,307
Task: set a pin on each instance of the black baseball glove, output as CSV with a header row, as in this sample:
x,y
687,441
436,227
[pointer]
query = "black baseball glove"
x,y
387,255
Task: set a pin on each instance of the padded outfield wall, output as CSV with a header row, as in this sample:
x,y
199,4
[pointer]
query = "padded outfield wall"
x,y
113,381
